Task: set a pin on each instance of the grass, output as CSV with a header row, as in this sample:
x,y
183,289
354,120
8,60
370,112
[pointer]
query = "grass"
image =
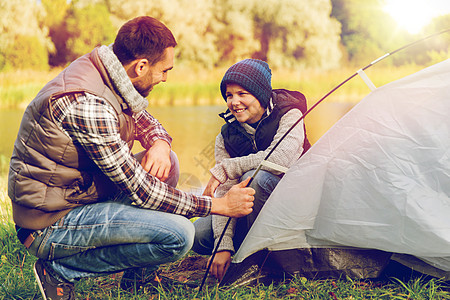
x,y
17,280
18,87
201,87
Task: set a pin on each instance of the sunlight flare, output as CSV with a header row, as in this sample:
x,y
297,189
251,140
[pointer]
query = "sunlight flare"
x,y
413,15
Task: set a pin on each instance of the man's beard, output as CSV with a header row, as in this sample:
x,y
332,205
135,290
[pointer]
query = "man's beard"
x,y
144,92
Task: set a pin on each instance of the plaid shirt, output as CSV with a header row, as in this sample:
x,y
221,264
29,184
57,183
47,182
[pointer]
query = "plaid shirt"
x,y
93,124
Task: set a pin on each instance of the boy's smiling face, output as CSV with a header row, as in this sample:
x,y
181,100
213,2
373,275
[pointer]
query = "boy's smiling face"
x,y
243,105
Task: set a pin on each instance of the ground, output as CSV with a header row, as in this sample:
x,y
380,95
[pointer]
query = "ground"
x,y
191,269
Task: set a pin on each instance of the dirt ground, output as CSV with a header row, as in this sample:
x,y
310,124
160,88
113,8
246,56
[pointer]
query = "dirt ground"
x,y
190,270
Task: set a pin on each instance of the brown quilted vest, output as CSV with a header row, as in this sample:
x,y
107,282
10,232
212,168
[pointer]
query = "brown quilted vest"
x,y
48,174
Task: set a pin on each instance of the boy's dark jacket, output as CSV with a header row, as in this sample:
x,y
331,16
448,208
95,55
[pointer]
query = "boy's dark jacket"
x,y
239,143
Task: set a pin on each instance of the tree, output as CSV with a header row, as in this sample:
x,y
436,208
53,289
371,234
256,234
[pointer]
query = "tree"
x,y
282,32
367,31
210,33
439,46
297,32
191,25
56,12
233,31
189,21
217,32
87,27
23,36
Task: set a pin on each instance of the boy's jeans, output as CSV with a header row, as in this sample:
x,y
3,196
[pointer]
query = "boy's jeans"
x,y
113,236
264,183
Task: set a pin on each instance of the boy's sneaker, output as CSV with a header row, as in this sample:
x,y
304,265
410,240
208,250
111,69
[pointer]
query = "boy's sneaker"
x,y
51,288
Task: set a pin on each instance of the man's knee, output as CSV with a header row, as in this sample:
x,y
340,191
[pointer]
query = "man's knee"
x,y
185,232
174,174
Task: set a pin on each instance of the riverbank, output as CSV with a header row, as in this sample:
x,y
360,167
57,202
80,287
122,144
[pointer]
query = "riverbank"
x,y
189,87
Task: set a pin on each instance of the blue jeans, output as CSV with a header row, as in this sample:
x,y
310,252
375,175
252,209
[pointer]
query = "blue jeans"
x,y
108,237
264,183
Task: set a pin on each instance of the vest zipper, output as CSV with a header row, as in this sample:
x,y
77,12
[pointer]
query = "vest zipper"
x,y
253,137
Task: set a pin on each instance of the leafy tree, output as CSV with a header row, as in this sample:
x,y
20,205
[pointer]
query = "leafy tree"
x,y
440,24
296,32
23,37
282,32
233,31
209,32
367,30
189,20
87,27
432,50
55,20
25,52
191,25
125,9
214,33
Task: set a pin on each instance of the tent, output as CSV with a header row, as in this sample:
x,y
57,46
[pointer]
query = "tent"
x,y
374,188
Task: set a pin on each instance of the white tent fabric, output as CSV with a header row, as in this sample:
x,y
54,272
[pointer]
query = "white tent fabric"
x,y
378,179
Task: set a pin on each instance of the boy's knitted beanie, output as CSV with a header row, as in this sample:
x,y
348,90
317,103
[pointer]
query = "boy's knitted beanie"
x,y
253,75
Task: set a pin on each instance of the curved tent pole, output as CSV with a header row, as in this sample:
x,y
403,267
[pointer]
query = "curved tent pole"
x,y
371,86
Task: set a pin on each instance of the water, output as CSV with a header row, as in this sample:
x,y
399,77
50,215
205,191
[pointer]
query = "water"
x,y
193,130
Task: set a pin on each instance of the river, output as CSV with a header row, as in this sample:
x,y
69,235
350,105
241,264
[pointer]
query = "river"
x,y
193,129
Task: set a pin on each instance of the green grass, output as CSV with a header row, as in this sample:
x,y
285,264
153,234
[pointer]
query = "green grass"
x,y
18,87
201,87
17,280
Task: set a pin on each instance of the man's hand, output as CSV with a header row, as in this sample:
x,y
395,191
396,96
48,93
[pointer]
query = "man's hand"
x,y
156,160
220,264
236,203
211,187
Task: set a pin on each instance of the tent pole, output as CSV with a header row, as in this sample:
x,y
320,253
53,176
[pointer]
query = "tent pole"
x,y
300,119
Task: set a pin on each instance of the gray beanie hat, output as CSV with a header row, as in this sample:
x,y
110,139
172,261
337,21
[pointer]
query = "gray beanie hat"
x,y
253,75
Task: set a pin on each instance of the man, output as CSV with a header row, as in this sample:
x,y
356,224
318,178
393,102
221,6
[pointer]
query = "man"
x,y
82,203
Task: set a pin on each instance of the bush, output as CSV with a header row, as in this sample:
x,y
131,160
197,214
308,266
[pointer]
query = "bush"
x,y
26,52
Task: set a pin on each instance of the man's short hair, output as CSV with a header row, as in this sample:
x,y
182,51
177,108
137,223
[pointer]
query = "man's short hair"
x,y
143,37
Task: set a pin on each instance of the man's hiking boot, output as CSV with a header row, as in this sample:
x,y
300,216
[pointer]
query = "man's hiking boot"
x,y
52,288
